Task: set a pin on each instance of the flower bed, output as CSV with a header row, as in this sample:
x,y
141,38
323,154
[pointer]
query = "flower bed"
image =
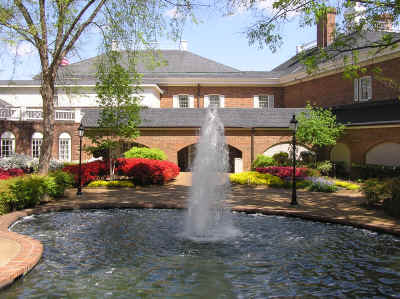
x,y
285,171
256,178
90,171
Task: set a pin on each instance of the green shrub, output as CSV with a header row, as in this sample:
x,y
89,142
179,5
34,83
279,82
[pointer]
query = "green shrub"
x,y
26,192
111,184
325,167
300,184
263,161
308,158
147,153
281,158
367,171
312,172
56,183
256,178
375,190
347,185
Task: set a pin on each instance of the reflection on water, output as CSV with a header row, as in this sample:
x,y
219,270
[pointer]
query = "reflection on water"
x,y
141,253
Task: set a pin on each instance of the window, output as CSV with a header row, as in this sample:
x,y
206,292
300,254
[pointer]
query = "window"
x,y
55,100
7,146
64,147
183,101
37,139
363,89
214,100
264,101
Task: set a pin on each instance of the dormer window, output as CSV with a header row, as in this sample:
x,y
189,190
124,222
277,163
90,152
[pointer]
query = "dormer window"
x,y
214,100
183,101
363,89
264,101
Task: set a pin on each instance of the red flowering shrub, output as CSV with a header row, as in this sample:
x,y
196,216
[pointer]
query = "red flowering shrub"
x,y
90,171
284,171
12,172
146,171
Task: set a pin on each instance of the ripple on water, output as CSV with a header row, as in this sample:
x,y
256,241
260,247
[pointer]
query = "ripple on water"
x,y
128,253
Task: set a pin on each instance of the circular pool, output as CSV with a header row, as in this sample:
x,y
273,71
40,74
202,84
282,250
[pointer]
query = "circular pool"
x,y
142,253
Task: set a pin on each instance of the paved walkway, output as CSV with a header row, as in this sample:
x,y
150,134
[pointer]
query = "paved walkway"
x,y
18,254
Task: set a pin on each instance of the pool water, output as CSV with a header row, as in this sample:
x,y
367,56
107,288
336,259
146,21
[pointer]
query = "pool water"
x,y
142,253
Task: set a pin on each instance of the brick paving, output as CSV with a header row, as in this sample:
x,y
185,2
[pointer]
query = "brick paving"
x,y
19,254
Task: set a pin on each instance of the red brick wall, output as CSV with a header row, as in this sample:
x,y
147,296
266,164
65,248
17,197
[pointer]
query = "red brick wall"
x,y
235,96
334,90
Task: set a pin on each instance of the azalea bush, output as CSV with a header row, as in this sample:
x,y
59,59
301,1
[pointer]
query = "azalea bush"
x,y
90,171
256,178
146,171
285,171
9,173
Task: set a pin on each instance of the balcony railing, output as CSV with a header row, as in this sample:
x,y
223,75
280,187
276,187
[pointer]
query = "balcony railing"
x,y
28,114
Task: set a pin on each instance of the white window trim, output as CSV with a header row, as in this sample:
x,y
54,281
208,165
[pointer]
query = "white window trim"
x,y
357,89
64,136
221,100
7,135
36,136
175,100
271,101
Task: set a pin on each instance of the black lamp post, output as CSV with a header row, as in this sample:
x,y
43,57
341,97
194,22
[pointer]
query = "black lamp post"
x,y
81,131
293,127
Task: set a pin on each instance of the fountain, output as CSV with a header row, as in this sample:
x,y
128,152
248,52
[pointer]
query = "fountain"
x,y
208,218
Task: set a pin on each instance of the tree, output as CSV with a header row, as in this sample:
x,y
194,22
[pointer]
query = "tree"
x,y
357,18
119,102
317,127
54,27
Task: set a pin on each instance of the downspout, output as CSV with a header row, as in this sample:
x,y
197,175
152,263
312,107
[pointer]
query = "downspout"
x,y
198,95
252,146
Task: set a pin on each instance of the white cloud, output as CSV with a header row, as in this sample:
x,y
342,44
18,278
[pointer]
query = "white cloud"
x,y
267,5
21,49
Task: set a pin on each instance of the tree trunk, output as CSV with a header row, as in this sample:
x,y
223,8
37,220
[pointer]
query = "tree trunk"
x,y
47,92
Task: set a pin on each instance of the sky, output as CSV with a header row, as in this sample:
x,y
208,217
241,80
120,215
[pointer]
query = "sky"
x,y
215,37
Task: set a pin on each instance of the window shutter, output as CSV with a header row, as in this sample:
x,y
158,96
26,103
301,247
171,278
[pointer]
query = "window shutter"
x,y
369,87
175,101
271,101
206,101
356,90
191,101
256,102
221,101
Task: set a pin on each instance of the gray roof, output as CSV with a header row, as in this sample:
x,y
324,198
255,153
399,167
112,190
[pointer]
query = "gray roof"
x,y
360,39
170,61
194,117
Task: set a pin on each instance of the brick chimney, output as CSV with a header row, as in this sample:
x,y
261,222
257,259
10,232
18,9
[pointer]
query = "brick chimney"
x,y
325,28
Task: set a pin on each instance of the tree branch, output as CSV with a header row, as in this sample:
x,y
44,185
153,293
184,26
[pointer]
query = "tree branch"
x,y
29,21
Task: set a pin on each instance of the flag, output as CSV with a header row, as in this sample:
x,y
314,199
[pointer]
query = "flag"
x,y
64,62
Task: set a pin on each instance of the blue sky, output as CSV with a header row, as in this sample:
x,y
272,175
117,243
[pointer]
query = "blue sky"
x,y
218,38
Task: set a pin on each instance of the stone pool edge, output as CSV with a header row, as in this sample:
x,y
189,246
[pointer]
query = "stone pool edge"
x,y
31,250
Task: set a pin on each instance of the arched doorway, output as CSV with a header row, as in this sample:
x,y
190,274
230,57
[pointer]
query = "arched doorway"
x,y
285,147
341,153
187,154
384,154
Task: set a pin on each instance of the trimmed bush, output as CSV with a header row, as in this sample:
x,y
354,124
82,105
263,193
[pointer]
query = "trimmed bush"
x,y
56,183
375,191
281,158
146,172
145,153
367,171
392,205
256,178
25,192
307,157
285,171
111,184
263,161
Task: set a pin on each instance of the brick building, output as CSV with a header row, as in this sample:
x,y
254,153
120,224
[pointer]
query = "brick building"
x,y
255,107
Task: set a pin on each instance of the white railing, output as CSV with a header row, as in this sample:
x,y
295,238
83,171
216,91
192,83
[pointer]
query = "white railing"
x,y
28,114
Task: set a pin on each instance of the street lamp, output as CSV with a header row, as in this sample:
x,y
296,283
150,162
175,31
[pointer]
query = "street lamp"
x,y
293,127
81,131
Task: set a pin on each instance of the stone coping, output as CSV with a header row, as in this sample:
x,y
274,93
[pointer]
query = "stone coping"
x,y
341,208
